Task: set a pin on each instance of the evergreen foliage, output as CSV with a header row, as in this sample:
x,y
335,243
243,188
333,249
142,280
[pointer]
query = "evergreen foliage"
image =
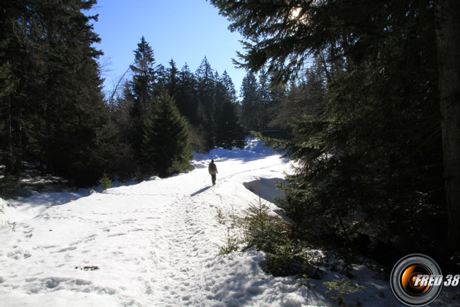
x,y
51,103
260,103
306,96
230,131
105,182
52,109
342,288
204,103
187,96
206,88
271,234
141,92
251,107
166,142
365,121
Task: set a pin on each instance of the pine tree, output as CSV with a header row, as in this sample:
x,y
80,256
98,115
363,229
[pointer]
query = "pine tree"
x,y
56,109
370,160
166,142
221,96
172,80
251,107
229,86
230,131
122,161
206,89
265,100
186,99
306,96
142,92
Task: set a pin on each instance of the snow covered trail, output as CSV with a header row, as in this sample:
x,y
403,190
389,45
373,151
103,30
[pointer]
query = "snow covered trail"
x,y
150,244
156,243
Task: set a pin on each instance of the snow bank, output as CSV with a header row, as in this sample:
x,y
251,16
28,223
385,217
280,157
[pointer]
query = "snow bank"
x,y
266,188
25,208
254,149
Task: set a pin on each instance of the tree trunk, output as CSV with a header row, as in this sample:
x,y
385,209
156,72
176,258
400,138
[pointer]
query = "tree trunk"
x,y
448,46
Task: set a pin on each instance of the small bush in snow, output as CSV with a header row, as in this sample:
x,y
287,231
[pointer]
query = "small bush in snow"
x,y
343,288
105,182
232,243
271,234
306,283
262,230
9,186
220,216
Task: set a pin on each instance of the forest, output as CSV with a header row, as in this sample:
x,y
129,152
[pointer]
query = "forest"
x,y
364,96
53,110
378,147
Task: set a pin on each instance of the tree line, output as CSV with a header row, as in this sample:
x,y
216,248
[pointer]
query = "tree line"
x,y
53,111
204,103
377,145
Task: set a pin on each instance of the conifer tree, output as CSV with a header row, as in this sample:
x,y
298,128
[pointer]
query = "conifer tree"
x,y
166,142
306,96
56,109
142,92
172,80
221,96
265,100
230,131
370,161
229,86
122,161
186,99
251,108
206,88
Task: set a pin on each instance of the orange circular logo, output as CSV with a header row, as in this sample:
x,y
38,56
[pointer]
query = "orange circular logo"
x,y
415,280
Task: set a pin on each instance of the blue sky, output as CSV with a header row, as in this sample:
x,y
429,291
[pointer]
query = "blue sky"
x,y
183,30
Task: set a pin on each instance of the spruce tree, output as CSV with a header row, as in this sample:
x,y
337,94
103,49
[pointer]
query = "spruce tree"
x,y
265,100
166,142
251,107
122,161
206,111
221,96
229,87
370,161
306,96
230,131
186,99
56,108
142,92
172,80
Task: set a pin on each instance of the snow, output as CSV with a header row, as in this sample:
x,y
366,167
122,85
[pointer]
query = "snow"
x,y
156,243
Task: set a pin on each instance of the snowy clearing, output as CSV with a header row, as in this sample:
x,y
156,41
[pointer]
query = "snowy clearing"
x,y
156,244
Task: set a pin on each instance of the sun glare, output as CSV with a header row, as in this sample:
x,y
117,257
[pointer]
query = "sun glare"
x,y
295,12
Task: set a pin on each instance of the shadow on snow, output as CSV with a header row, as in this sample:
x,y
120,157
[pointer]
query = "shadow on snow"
x,y
200,191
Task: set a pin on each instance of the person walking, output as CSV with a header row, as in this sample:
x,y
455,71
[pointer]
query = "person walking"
x,y
212,168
